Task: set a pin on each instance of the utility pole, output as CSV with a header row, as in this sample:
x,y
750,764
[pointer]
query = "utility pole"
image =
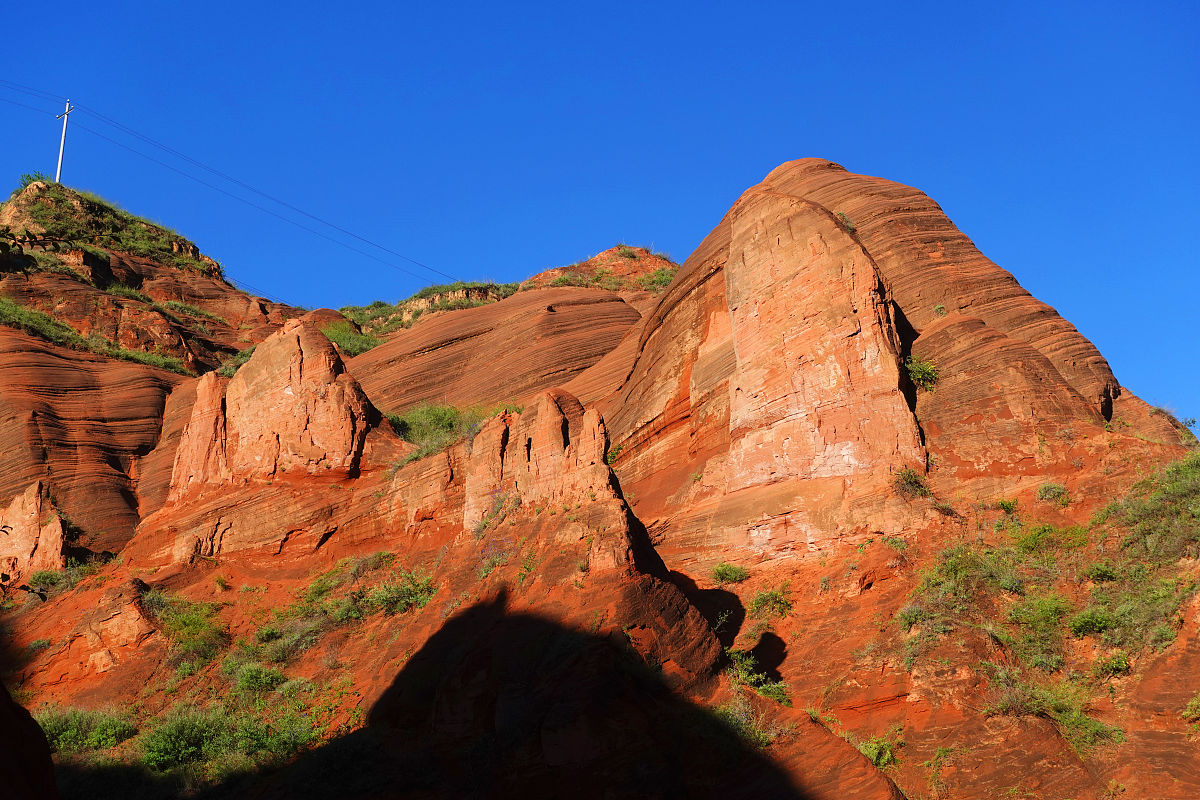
x,y
63,141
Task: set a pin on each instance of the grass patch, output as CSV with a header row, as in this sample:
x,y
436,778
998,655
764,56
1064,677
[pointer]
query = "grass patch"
x,y
771,603
230,366
350,341
433,428
77,730
1065,703
739,717
195,634
46,327
1054,493
909,483
121,290
729,573
187,308
83,218
742,672
657,281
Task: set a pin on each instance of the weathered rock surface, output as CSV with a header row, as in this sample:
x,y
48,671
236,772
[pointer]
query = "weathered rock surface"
x,y
290,413
757,412
502,351
77,423
31,534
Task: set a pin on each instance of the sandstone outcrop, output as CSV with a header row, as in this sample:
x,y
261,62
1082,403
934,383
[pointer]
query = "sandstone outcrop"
x,y
290,413
538,602
509,350
78,423
31,534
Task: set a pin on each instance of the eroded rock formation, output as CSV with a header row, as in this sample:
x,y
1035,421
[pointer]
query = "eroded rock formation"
x,y
567,619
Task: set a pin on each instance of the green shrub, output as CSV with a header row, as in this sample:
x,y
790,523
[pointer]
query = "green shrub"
x,y
68,577
846,221
771,603
909,483
351,342
186,737
613,454
1007,506
1100,572
75,730
740,718
742,672
433,428
1092,620
657,281
129,292
216,736
882,750
46,579
230,365
1054,493
1116,664
195,634
256,678
412,590
922,373
1191,711
32,177
729,573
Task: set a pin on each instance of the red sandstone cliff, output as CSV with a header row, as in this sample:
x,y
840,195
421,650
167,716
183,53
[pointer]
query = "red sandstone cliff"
x,y
757,412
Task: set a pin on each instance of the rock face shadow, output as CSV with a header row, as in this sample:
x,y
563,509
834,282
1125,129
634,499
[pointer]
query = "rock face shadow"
x,y
499,705
722,608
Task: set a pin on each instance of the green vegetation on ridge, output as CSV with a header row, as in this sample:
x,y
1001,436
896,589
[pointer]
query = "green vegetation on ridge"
x,y
46,327
1117,582
84,218
433,428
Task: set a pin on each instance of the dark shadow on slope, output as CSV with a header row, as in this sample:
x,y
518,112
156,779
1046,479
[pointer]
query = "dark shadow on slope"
x,y
768,654
721,608
500,705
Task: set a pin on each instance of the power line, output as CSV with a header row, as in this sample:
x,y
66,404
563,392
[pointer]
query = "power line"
x,y
38,93
313,231
259,192
29,90
22,105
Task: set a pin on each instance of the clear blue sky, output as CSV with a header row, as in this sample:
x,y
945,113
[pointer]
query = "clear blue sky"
x,y
495,140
